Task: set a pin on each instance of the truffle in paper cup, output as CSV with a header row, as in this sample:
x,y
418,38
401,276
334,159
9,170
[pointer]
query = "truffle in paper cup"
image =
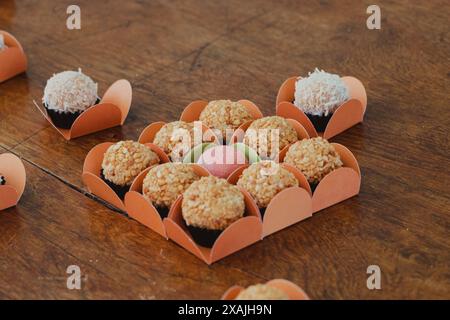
x,y
348,114
292,291
339,184
13,60
142,210
111,111
92,173
149,134
240,234
239,135
193,112
14,178
287,207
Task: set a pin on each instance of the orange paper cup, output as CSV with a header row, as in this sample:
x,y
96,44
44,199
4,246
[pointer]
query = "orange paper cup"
x,y
12,168
237,236
92,168
13,60
112,111
142,210
293,291
347,115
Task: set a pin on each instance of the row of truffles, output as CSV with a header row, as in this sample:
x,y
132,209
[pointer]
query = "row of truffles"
x,y
122,163
66,95
318,95
262,292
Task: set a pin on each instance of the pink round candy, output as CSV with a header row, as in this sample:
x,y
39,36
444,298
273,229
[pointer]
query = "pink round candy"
x,y
221,161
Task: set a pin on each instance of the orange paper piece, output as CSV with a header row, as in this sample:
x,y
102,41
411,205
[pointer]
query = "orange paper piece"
x,y
237,236
92,168
13,60
112,111
142,210
347,115
12,168
293,291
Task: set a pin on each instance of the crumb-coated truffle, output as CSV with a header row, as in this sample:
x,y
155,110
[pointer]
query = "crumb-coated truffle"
x,y
262,292
265,179
164,183
212,203
314,157
321,93
124,160
224,114
265,127
176,139
70,92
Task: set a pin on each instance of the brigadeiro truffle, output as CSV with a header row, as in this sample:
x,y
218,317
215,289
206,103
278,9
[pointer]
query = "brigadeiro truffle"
x,y
262,132
164,183
122,163
68,94
319,95
2,180
176,139
315,158
223,115
264,180
209,206
262,292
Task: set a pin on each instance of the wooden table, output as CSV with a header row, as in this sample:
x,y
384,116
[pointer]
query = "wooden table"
x,y
177,51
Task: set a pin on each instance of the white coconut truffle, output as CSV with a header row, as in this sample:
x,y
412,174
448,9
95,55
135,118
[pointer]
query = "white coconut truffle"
x,y
321,93
70,91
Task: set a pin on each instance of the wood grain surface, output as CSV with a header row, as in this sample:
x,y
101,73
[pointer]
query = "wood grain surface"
x,y
177,51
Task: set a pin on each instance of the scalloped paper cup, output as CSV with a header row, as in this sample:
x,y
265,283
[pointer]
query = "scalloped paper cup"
x,y
13,60
192,112
347,115
293,291
288,207
12,168
242,233
112,111
142,210
92,168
